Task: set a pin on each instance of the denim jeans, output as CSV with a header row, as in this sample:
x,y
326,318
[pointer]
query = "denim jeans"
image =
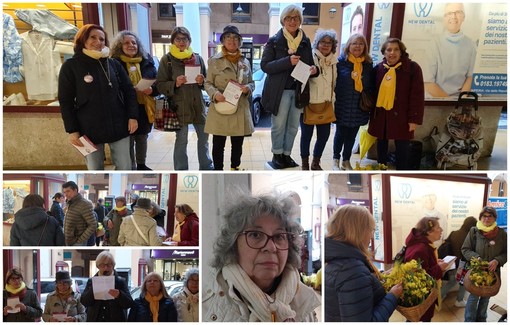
x,y
476,309
448,285
306,138
344,139
285,125
181,144
138,149
218,151
120,156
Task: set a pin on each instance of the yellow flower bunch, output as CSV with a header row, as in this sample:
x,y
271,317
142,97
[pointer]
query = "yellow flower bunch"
x,y
415,282
480,274
370,167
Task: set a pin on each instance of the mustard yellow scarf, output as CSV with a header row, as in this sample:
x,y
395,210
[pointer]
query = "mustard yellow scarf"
x,y
154,305
232,57
386,96
357,71
177,232
176,52
14,291
293,42
483,228
120,209
135,75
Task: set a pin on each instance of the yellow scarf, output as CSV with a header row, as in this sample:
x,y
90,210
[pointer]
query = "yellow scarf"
x,y
135,75
293,42
176,52
177,232
357,71
97,54
14,291
232,57
439,283
483,228
386,96
66,294
154,304
120,209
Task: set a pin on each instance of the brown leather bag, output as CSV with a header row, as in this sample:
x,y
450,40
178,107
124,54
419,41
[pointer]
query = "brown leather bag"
x,y
321,113
366,101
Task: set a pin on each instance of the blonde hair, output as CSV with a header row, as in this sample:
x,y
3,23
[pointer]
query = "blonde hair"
x,y
353,38
350,224
162,288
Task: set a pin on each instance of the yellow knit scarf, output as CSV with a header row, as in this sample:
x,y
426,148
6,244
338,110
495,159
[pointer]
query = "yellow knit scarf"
x,y
438,282
386,96
11,289
135,75
154,304
357,71
177,232
176,52
293,42
232,57
120,209
483,228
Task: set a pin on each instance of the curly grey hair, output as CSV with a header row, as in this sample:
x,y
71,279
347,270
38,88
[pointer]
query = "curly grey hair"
x,y
116,49
189,273
241,212
323,33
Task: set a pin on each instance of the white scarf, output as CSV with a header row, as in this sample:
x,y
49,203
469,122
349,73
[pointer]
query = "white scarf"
x,y
257,300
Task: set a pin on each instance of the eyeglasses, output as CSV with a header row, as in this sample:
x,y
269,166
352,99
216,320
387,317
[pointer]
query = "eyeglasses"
x,y
456,13
105,265
487,216
292,18
258,239
64,283
231,36
181,39
324,43
357,44
15,278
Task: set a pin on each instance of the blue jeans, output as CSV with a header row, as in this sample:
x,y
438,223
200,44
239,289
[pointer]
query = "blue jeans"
x,y
120,156
448,285
476,309
306,138
344,138
285,125
181,144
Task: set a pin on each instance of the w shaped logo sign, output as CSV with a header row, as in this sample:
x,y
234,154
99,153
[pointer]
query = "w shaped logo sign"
x,y
422,9
190,181
385,5
405,190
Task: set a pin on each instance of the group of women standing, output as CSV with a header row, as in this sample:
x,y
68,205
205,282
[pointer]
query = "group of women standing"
x,y
98,99
353,284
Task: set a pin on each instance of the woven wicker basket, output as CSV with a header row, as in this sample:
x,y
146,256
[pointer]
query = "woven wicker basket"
x,y
482,291
414,313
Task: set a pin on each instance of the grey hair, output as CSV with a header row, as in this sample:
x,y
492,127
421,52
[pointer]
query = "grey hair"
x,y
241,211
105,256
323,33
291,10
116,49
189,273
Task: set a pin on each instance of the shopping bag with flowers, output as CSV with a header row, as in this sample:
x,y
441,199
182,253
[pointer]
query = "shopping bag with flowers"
x,y
479,280
420,290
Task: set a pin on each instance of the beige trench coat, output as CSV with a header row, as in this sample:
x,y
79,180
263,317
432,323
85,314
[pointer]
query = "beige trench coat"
x,y
220,72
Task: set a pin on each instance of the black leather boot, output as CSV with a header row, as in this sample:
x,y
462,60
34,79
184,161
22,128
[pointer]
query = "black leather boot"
x,y
278,162
289,162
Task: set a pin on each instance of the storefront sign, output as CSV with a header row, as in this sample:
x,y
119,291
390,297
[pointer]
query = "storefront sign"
x,y
377,211
175,253
343,201
145,187
381,25
501,206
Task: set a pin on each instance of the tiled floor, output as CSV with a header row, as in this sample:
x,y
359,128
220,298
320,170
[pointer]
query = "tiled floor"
x,y
450,313
257,151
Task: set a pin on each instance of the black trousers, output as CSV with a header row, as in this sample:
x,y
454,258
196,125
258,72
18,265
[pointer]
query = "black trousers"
x,y
218,151
401,153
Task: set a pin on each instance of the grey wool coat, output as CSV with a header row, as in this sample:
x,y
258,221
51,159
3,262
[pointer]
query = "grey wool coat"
x,y
219,73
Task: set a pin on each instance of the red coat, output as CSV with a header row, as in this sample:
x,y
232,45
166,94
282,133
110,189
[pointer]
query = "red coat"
x,y
189,231
409,103
418,248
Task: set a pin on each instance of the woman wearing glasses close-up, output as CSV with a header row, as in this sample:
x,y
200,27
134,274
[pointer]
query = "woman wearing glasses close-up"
x,y
255,261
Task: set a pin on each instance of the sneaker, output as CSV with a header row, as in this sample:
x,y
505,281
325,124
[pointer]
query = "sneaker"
x,y
460,304
336,164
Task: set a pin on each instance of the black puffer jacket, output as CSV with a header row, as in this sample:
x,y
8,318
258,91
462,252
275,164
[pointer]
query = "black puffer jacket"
x,y
89,105
148,70
141,312
276,63
33,227
353,293
114,310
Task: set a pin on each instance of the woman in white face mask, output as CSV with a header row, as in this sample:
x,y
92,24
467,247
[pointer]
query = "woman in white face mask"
x,y
97,99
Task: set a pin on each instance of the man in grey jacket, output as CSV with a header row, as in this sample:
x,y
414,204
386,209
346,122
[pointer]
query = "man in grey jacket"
x,y
79,221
